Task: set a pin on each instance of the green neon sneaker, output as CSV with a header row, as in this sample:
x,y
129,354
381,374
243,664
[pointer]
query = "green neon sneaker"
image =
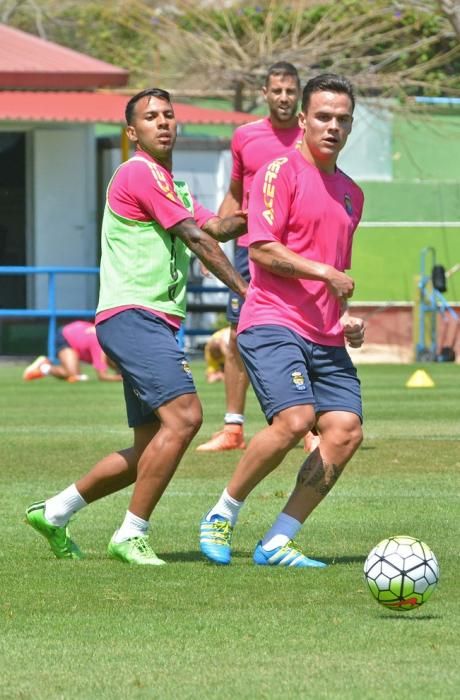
x,y
58,536
136,550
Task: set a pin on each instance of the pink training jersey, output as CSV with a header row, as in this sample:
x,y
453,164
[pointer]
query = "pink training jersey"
x,y
143,190
81,336
252,146
314,215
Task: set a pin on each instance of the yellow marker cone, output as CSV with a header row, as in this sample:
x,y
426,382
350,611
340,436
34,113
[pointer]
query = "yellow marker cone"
x,y
420,380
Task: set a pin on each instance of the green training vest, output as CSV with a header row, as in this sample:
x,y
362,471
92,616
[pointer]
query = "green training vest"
x,y
141,263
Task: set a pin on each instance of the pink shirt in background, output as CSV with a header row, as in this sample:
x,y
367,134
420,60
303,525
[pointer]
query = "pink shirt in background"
x,y
314,215
81,336
252,146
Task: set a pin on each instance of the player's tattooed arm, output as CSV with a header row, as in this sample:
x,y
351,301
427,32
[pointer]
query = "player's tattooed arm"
x,y
317,474
228,228
209,252
280,260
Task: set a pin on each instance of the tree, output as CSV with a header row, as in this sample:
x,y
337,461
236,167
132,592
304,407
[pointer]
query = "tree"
x,y
388,48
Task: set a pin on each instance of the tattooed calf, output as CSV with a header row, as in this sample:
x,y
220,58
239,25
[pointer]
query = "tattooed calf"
x,y
317,474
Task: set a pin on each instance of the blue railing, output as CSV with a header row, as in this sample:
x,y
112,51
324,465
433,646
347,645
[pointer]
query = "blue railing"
x,y
52,313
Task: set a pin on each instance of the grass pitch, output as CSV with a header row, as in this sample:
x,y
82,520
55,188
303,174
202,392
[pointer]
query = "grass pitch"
x,y
99,629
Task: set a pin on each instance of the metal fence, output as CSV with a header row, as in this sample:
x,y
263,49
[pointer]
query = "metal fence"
x,y
53,313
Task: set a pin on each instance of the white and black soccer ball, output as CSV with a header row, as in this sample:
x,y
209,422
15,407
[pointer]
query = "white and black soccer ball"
x,y
401,572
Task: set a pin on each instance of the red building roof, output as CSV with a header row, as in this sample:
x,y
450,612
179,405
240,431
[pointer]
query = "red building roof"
x,y
28,62
91,107
30,65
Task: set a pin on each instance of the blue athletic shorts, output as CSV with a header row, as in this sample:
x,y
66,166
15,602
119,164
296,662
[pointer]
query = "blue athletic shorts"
x,y
153,368
61,342
235,302
288,370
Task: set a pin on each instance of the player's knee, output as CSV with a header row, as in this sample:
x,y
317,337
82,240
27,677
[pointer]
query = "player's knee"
x,y
347,436
192,422
295,424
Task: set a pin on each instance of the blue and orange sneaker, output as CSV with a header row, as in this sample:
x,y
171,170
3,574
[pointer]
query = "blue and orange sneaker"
x,y
216,539
287,555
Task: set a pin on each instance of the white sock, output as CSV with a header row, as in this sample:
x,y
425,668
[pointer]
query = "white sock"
x,y
132,526
284,528
234,418
60,508
227,507
45,368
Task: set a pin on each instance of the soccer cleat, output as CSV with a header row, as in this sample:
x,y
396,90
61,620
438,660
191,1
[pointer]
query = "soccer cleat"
x,y
311,442
135,550
287,555
230,438
216,538
77,378
34,370
58,536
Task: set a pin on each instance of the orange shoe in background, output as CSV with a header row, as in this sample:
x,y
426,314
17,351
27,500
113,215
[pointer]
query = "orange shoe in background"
x,y
77,378
36,369
230,438
311,442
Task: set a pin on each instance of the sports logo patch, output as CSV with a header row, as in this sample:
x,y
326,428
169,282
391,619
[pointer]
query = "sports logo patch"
x,y
235,305
163,183
348,204
186,367
298,380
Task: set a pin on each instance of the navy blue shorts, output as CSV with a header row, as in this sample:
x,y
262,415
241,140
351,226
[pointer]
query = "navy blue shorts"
x,y
235,302
153,367
288,370
61,342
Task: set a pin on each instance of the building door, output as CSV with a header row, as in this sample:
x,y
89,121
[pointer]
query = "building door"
x,y
12,217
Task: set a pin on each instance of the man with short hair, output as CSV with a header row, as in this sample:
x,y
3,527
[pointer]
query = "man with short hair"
x,y
151,226
252,146
294,324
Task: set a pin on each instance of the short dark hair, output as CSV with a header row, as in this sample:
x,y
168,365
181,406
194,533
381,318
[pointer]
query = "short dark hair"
x,y
149,92
327,82
282,68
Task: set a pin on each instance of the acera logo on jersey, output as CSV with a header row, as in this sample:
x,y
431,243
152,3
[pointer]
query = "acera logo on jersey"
x,y
162,182
269,189
348,204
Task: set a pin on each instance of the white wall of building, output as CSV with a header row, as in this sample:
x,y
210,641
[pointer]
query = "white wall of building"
x,y
64,213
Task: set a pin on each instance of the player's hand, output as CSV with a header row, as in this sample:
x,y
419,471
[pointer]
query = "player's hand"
x,y
339,284
353,330
241,212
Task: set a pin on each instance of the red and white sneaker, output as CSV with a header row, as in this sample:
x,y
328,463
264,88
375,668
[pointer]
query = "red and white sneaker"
x,y
38,369
77,378
230,438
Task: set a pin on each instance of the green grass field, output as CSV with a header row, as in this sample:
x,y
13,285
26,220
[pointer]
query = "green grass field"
x,y
99,629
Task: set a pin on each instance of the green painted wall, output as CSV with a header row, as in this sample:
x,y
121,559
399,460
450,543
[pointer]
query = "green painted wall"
x,y
387,261
427,147
426,171
411,201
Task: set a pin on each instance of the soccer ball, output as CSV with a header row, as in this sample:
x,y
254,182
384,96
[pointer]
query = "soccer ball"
x,y
401,572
